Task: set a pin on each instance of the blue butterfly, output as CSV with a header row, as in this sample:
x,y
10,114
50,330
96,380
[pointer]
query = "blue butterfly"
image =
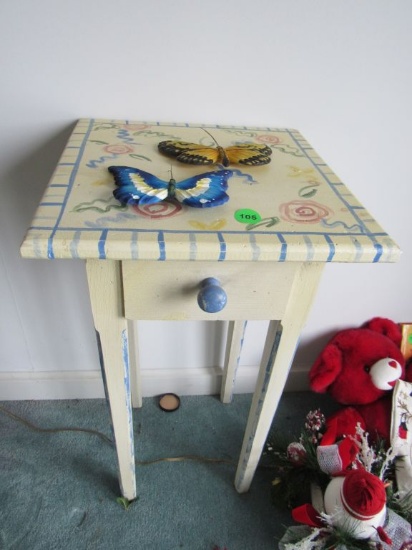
x,y
201,191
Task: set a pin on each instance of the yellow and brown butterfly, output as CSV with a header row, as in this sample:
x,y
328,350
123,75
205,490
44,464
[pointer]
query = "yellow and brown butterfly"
x,y
250,154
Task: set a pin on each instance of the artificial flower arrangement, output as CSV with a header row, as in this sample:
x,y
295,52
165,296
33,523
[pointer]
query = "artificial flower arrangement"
x,y
345,501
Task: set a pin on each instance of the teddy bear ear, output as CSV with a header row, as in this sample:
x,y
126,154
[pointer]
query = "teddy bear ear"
x,y
386,327
326,368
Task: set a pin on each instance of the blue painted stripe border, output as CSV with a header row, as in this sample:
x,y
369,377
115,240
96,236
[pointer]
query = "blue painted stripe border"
x,y
50,252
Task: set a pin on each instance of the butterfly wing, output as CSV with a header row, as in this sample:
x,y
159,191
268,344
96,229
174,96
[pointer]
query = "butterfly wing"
x,y
189,153
204,190
250,154
137,186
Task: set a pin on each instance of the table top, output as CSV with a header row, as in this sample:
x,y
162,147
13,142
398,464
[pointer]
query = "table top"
x,y
292,209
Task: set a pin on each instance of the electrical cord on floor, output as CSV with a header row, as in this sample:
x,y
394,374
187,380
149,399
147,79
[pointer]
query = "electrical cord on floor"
x,y
106,439
53,430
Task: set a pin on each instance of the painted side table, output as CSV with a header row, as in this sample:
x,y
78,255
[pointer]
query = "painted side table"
x,y
266,247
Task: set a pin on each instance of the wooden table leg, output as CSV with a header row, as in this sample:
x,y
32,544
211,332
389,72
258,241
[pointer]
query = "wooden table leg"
x,y
105,290
234,343
281,342
135,377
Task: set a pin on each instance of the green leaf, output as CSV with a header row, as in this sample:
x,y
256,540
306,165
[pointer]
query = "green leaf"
x,y
265,222
140,157
307,192
123,501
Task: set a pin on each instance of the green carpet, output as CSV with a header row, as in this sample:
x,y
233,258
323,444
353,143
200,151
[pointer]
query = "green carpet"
x,y
59,490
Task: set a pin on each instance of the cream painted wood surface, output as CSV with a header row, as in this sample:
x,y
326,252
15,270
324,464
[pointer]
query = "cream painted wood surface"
x,y
280,346
107,306
235,335
168,290
135,372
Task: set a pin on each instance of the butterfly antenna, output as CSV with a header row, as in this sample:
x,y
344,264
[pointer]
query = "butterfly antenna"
x,y
204,129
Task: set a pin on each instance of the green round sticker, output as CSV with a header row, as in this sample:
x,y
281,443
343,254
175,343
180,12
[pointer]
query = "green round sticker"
x,y
246,215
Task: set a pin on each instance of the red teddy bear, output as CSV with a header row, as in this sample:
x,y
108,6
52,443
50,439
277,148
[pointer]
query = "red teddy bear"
x,y
359,368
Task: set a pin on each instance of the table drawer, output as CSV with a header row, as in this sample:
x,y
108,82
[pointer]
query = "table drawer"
x,y
168,290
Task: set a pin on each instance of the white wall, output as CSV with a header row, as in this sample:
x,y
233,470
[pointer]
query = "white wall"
x,y
339,71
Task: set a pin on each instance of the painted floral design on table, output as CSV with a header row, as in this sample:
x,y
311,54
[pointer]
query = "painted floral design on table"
x,y
308,177
164,209
268,139
118,149
275,142
304,211
122,142
215,225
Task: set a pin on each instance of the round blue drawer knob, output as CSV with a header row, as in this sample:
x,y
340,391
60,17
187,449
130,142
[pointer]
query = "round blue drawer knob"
x,y
211,298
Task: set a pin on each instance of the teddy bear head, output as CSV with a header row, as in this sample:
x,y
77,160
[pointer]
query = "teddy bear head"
x,y
360,365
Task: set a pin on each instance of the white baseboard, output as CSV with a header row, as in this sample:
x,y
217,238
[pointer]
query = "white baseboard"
x,y
16,386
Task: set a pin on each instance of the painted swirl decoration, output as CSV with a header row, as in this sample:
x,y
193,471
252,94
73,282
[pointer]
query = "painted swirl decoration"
x,y
304,211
